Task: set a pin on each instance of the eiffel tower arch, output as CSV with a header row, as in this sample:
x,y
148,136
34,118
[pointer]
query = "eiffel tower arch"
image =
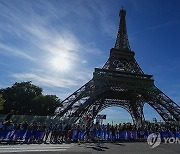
x,y
120,82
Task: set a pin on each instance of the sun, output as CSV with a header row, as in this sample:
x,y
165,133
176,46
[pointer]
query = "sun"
x,y
61,63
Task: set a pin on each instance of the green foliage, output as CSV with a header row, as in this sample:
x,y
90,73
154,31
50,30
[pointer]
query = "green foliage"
x,y
1,102
45,104
27,98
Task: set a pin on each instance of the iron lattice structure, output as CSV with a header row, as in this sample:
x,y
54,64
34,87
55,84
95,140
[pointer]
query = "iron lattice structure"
x,y
121,82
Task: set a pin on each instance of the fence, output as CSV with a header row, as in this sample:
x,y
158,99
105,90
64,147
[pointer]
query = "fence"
x,y
21,135
25,135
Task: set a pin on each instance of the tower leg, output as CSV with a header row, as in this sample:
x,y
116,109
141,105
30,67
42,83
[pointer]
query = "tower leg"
x,y
167,109
136,111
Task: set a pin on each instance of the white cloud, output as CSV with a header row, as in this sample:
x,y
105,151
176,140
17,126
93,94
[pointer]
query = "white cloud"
x,y
84,61
42,79
6,49
158,26
33,24
51,79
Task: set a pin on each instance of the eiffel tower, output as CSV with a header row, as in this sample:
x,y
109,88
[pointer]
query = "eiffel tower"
x,y
120,82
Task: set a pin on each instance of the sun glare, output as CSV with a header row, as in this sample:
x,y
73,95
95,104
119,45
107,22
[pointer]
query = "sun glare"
x,y
61,63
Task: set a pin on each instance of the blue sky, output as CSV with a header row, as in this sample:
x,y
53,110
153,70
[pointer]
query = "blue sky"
x,y
37,37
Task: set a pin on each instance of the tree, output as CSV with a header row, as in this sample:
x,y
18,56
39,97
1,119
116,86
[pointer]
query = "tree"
x,y
45,105
19,97
1,102
27,98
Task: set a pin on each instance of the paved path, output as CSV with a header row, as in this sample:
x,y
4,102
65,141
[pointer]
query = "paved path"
x,y
128,148
90,148
34,148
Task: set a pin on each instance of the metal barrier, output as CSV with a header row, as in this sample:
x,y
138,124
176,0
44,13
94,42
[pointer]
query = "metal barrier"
x,y
21,135
24,135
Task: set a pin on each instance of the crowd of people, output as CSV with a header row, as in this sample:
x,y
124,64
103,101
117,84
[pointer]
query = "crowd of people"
x,y
37,132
